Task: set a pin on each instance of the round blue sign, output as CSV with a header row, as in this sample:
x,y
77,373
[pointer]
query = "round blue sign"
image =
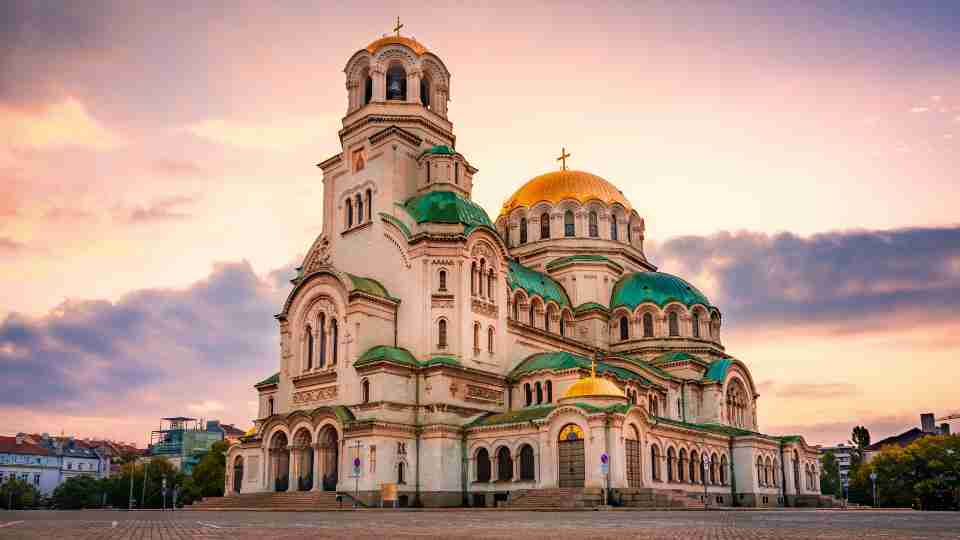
x,y
604,458
356,462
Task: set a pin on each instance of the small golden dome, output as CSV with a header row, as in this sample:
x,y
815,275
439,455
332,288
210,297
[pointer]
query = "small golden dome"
x,y
413,44
251,432
565,184
593,386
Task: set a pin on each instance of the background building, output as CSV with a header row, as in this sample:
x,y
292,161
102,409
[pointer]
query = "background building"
x,y
183,441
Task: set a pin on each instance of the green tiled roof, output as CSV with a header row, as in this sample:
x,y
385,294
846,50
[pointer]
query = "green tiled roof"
x,y
721,429
536,283
718,369
399,224
447,207
440,149
644,364
397,355
657,287
369,286
556,361
513,417
675,356
586,306
580,258
445,360
273,379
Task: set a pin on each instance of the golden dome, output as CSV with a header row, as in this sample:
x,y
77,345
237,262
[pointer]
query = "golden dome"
x,y
594,386
565,184
413,44
251,432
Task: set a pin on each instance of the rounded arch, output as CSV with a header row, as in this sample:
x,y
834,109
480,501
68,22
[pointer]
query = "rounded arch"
x,y
552,312
535,311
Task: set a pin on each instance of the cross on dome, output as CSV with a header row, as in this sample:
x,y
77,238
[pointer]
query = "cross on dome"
x,y
563,158
398,26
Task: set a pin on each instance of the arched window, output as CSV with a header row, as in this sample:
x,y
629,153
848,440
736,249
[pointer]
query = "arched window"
x,y
473,278
270,407
694,467
523,230
442,334
760,471
714,325
546,318
504,464
476,336
549,385
443,280
614,228
456,172
629,232
490,339
713,469
655,462
737,402
594,225
309,331
483,270
369,205
401,472
365,391
483,465
624,329
674,322
696,325
516,309
490,282
359,200
544,226
425,92
647,325
776,473
569,229
682,465
539,393
349,213
532,313
367,89
671,465
563,326
397,83
723,470
528,394
527,468
654,407
334,339
322,336
429,168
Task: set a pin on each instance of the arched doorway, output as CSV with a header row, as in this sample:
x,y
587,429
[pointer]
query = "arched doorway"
x,y
302,446
633,457
280,461
237,474
329,458
570,457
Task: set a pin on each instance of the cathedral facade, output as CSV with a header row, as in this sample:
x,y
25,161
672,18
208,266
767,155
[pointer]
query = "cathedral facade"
x,y
468,360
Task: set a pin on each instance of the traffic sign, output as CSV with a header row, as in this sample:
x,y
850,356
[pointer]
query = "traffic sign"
x,y
604,468
604,458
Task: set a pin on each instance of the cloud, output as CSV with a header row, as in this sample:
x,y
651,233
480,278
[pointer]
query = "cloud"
x,y
834,432
57,125
276,135
177,167
9,246
161,210
919,109
92,353
816,390
847,279
206,407
67,214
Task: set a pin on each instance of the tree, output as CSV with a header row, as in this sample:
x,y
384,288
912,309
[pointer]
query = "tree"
x,y
208,476
925,474
17,493
860,438
79,492
829,475
858,489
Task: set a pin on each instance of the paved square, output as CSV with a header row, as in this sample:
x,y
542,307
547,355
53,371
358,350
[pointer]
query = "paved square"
x,y
474,524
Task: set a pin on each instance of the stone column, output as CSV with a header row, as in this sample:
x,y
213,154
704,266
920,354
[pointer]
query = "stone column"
x,y
291,455
317,481
413,85
379,75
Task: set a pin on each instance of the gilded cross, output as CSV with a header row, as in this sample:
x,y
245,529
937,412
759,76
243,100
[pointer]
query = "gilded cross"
x,y
398,26
563,159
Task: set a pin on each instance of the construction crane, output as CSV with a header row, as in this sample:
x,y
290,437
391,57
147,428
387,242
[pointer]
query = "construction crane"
x,y
954,416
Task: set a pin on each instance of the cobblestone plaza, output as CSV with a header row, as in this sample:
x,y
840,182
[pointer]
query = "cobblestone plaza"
x,y
369,524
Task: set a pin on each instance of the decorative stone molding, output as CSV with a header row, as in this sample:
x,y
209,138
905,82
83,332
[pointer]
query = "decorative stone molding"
x,y
321,394
483,307
484,394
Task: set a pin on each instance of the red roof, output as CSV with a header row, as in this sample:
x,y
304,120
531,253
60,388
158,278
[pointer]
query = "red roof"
x,y
8,445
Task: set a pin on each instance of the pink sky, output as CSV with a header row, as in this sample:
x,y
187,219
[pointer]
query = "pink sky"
x,y
144,144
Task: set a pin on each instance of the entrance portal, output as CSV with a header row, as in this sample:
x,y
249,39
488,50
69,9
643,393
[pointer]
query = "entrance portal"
x,y
237,474
570,454
329,458
280,461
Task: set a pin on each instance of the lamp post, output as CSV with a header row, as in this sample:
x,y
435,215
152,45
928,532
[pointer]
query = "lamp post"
x,y
873,479
840,481
704,466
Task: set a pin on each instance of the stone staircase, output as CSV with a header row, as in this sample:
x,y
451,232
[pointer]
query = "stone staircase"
x,y
555,498
658,498
297,501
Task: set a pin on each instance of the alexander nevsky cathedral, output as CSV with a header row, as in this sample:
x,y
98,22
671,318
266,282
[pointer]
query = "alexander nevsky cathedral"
x,y
538,359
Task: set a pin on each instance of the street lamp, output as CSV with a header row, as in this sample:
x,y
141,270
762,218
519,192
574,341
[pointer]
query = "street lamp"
x,y
704,466
873,479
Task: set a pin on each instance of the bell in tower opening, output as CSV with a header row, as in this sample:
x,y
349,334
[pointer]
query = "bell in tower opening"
x,y
397,83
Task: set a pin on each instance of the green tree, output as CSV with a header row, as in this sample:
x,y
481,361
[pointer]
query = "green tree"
x,y
925,474
860,437
209,475
79,492
17,493
829,476
858,486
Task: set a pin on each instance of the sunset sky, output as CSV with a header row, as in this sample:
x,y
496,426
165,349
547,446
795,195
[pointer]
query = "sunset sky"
x,y
798,163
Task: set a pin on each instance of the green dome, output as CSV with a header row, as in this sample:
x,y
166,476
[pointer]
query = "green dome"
x,y
447,207
657,287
